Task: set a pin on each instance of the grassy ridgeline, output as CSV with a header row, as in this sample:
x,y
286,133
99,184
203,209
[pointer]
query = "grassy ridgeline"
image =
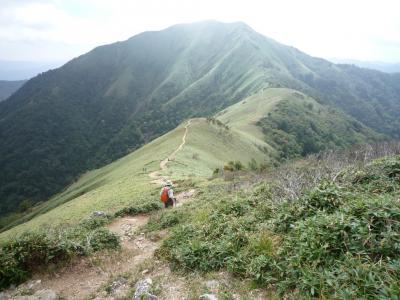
x,y
233,135
338,238
125,183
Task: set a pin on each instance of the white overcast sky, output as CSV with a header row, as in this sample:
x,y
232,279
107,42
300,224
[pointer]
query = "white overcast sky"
x,y
58,30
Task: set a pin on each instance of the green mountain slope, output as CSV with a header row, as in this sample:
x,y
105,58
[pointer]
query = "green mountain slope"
x,y
126,182
299,126
108,102
7,88
209,144
103,104
288,124
110,188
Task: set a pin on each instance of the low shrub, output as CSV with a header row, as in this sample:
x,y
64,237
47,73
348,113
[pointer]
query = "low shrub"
x,y
339,239
102,238
22,255
234,166
95,222
165,219
363,231
326,197
139,209
379,176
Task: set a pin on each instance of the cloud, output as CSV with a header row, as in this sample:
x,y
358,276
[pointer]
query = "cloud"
x,y
350,29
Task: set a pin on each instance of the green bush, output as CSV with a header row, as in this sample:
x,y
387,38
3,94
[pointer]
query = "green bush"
x,y
365,233
95,222
102,238
234,166
325,197
139,209
165,219
338,240
20,256
379,176
10,270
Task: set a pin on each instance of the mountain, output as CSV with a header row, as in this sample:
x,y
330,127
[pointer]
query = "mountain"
x,y
7,88
106,103
18,70
234,134
374,65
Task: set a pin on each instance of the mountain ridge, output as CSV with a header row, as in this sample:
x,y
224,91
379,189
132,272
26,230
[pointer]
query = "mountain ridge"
x,y
386,67
205,145
110,101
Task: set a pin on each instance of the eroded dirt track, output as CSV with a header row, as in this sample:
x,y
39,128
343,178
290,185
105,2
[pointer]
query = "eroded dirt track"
x,y
84,278
156,175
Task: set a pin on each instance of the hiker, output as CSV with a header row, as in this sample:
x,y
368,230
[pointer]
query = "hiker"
x,y
167,195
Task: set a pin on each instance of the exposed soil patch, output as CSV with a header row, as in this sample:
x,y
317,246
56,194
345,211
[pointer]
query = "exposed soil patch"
x,y
185,197
84,277
127,228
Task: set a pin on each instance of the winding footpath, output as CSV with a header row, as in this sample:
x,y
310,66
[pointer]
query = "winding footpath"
x,y
85,277
156,175
125,225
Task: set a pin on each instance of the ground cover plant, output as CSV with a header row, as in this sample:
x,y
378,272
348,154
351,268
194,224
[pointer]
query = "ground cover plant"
x,y
29,252
335,233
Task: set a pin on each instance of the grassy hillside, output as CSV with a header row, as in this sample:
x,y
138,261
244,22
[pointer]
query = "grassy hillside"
x,y
244,116
288,124
111,188
211,145
235,135
153,82
110,101
125,183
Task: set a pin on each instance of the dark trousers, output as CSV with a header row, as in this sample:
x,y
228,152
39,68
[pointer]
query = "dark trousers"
x,y
170,202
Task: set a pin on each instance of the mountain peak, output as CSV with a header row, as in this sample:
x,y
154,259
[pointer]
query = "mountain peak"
x,y
208,25
212,22
118,97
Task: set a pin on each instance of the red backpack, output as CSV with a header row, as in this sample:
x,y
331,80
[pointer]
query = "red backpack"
x,y
164,194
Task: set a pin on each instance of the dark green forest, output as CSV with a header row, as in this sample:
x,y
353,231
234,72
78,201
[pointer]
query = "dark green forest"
x,y
298,128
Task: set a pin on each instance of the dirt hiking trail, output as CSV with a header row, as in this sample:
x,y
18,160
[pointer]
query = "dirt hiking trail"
x,y
86,277
156,175
102,276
